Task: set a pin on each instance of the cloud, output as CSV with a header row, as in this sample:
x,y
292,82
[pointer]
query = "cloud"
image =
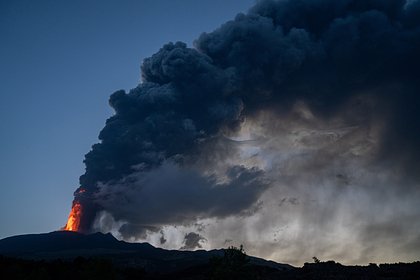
x,y
176,195
314,102
192,241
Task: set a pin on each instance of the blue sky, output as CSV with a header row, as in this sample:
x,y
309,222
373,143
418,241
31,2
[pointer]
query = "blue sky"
x,y
60,61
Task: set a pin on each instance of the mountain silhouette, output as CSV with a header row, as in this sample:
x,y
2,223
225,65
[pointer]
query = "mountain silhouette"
x,y
69,245
69,255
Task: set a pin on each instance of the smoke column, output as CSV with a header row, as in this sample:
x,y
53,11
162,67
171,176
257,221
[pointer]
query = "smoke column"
x,y
290,95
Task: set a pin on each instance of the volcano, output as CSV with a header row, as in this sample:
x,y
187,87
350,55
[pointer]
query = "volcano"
x,y
69,245
63,254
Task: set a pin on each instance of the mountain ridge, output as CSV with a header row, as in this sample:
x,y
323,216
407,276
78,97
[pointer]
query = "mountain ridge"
x,y
69,255
70,245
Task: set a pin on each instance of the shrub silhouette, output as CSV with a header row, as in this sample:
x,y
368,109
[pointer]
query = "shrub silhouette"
x,y
316,260
233,265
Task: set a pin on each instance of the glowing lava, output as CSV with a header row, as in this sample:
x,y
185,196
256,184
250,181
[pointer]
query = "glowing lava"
x,y
73,222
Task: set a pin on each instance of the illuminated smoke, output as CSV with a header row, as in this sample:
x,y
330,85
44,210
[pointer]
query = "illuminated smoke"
x,y
304,111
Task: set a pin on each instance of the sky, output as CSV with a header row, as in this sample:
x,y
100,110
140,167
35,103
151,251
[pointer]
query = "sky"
x,y
60,61
291,128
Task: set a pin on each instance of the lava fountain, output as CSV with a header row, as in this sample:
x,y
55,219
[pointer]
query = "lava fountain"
x,y
73,222
75,216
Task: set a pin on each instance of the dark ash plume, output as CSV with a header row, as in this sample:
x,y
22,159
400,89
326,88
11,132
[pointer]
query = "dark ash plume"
x,y
171,154
192,241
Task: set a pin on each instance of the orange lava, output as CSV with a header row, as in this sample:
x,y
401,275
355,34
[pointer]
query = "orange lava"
x,y
80,191
73,222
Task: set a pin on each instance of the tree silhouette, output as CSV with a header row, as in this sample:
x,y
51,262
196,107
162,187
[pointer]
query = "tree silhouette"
x,y
233,265
316,260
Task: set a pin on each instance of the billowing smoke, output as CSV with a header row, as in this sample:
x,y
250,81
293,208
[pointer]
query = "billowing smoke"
x,y
294,129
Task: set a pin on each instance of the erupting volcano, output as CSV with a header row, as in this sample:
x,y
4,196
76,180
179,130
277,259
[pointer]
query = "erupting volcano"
x,y
81,214
73,222
294,119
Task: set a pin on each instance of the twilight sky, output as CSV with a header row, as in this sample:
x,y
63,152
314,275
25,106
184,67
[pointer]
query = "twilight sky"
x,y
293,128
60,61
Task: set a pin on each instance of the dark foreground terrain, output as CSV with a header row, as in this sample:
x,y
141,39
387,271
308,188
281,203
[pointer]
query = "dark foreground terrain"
x,y
92,268
67,255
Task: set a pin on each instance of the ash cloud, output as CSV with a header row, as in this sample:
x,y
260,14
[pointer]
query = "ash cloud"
x,y
192,241
174,195
315,101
